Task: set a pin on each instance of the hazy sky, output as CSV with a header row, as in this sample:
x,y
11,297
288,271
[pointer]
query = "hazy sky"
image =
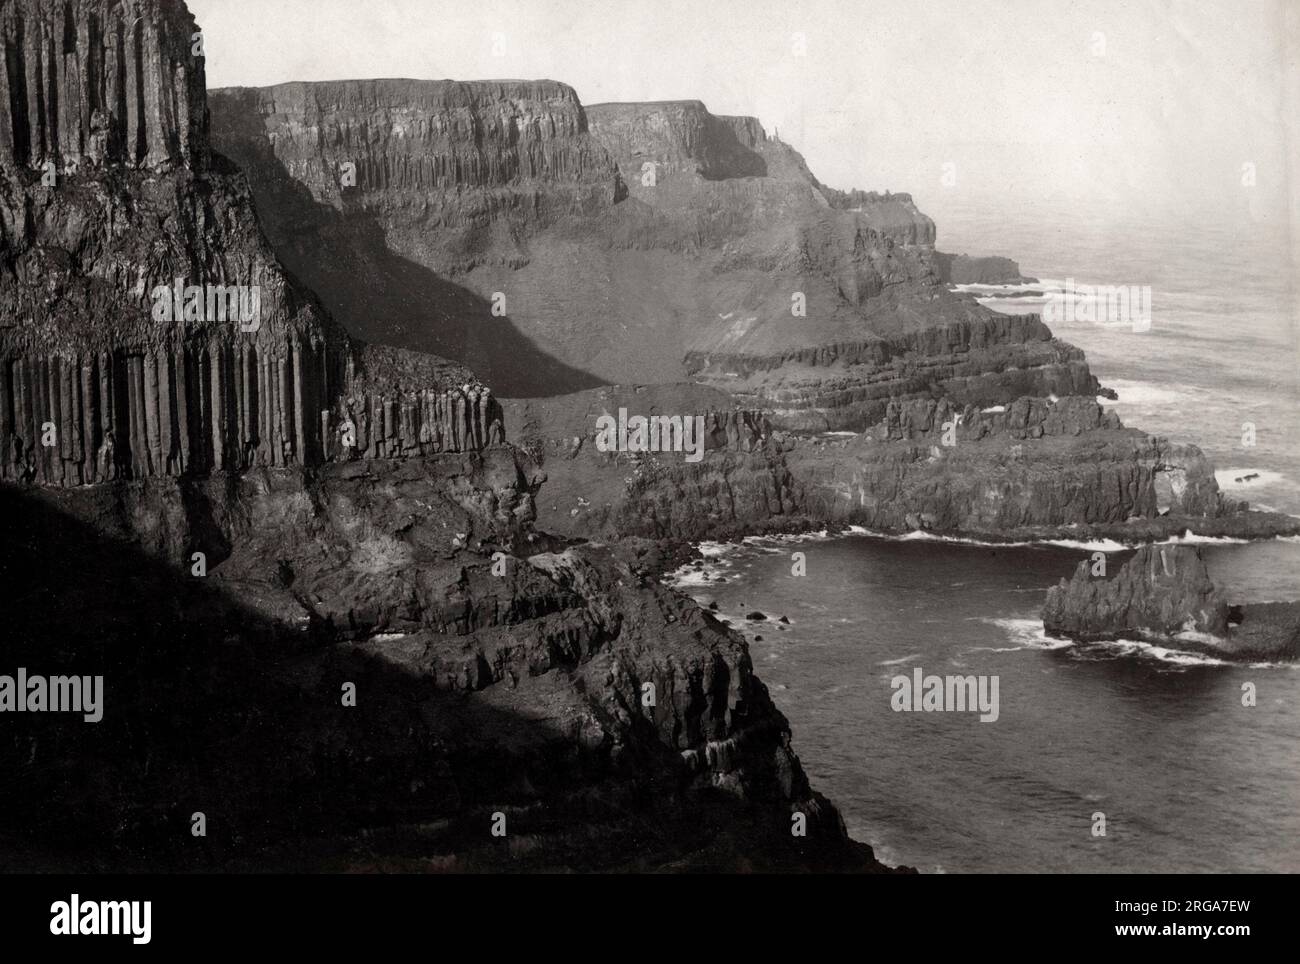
x,y
1118,104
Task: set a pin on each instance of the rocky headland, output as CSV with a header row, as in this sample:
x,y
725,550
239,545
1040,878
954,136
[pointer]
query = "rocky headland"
x,y
962,269
693,264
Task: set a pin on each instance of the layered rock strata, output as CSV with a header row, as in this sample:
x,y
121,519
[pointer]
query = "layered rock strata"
x,y
962,269
1034,469
627,242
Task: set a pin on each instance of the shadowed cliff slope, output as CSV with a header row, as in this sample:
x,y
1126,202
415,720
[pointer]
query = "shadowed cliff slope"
x,y
520,695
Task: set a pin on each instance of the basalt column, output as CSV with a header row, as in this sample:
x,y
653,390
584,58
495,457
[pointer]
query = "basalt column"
x,y
89,81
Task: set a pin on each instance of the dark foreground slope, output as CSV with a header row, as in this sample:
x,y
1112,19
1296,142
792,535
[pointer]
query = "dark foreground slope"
x,y
477,697
305,565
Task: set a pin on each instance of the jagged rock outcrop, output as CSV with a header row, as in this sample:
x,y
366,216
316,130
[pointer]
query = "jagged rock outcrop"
x,y
1164,593
1033,469
894,215
1162,590
680,136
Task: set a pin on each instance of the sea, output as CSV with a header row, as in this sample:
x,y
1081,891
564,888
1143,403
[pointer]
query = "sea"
x,y
1112,757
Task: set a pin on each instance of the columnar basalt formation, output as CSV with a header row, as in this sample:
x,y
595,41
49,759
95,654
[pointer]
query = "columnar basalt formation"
x,y
152,331
83,81
422,136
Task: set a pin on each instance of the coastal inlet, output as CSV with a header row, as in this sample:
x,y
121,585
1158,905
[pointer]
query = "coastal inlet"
x,y
1156,739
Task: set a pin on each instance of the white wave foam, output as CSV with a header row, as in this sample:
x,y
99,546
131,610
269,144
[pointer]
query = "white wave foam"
x,y
1228,478
1121,648
1190,538
1094,545
1027,633
900,661
688,578
1143,394
920,535
1010,288
711,549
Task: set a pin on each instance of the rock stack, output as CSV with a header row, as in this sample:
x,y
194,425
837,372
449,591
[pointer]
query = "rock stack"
x,y
1164,594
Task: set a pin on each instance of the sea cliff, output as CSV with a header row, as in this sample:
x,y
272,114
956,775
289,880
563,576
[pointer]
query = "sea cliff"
x,y
305,563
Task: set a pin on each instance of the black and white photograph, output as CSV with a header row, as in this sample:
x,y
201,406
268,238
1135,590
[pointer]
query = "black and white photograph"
x,y
546,437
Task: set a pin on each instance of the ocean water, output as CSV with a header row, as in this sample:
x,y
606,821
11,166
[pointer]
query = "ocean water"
x,y
1158,741
1222,347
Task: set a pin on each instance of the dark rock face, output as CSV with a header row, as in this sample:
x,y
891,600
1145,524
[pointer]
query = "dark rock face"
x,y
260,516
94,384
1161,590
89,82
962,269
1031,469
614,723
1164,593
